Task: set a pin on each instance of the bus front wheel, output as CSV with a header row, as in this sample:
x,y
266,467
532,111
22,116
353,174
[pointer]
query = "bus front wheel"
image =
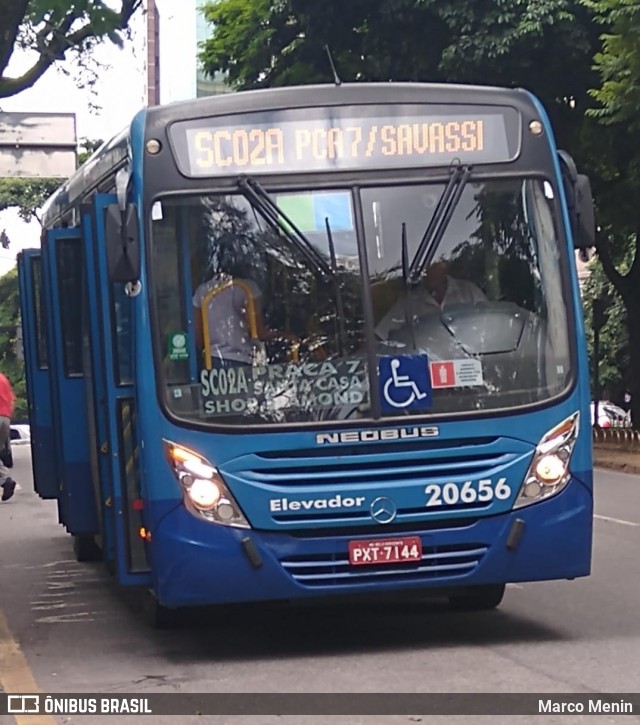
x,y
157,615
86,549
478,598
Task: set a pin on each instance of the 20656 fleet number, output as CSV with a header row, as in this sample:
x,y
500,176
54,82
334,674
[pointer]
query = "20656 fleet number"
x,y
483,491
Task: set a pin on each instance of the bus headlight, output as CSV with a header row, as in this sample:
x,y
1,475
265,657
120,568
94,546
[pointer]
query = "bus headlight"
x,y
549,470
204,492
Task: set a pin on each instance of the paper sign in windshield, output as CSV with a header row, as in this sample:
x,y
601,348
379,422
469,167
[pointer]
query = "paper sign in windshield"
x,y
273,388
465,373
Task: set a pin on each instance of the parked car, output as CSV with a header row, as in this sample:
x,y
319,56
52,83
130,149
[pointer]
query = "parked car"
x,y
20,434
610,415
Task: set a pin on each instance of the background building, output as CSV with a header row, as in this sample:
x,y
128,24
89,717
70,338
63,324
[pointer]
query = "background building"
x,y
174,32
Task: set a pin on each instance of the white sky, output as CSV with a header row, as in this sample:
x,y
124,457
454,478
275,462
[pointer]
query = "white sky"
x,y
120,93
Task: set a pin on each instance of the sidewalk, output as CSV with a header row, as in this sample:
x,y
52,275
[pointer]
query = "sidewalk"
x,y
616,460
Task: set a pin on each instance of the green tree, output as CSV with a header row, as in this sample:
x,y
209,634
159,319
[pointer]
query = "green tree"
x,y
618,61
544,45
27,195
613,363
618,64
10,363
86,148
54,30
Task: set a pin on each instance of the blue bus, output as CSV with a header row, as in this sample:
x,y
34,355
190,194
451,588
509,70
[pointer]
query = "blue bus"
x,y
317,341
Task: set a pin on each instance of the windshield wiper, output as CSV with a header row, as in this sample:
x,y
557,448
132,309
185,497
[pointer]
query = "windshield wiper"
x,y
264,204
439,221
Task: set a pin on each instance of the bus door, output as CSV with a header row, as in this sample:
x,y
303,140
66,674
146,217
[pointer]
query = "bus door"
x,y
36,366
112,341
64,258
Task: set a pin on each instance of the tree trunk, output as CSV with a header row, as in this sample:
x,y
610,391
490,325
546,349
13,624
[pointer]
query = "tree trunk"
x,y
633,318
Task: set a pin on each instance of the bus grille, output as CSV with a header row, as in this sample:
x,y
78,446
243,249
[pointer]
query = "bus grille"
x,y
334,570
369,466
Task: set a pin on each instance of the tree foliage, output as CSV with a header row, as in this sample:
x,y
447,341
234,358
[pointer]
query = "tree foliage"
x,y
618,63
613,359
544,45
27,195
10,364
617,156
53,30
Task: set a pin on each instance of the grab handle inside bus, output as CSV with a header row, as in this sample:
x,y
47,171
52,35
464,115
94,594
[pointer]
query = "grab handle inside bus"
x,y
123,244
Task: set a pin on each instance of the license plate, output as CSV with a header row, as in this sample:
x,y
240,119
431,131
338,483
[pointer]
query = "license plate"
x,y
385,551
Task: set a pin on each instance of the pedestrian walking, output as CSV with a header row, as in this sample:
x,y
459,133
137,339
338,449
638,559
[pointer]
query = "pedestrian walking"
x,y
7,402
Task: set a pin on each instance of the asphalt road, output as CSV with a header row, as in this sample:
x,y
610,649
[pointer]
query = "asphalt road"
x,y
65,627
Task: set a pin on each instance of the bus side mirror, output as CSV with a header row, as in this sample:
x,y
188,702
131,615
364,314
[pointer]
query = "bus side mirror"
x,y
584,235
580,202
123,243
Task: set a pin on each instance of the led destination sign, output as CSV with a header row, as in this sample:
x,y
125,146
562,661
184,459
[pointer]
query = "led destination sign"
x,y
322,139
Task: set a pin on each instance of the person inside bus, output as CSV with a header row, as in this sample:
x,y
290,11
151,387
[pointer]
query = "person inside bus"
x,y
229,303
436,290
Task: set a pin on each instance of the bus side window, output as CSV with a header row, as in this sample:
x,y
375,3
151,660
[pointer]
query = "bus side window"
x,y
123,335
70,267
42,350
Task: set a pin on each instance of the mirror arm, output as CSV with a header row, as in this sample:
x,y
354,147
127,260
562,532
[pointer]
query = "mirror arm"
x,y
123,180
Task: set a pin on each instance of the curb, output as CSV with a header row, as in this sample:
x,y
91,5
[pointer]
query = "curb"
x,y
616,464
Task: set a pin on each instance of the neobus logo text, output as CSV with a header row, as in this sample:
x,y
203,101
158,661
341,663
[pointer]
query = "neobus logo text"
x,y
388,434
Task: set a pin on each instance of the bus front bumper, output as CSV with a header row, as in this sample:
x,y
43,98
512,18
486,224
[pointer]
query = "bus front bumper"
x,y
198,563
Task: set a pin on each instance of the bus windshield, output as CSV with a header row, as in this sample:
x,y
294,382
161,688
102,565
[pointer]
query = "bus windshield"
x,y
259,304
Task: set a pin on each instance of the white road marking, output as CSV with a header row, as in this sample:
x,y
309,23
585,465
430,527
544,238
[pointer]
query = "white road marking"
x,y
56,605
49,564
69,617
67,586
616,521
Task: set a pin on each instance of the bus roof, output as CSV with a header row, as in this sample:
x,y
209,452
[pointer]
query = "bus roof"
x,y
114,153
103,162
331,94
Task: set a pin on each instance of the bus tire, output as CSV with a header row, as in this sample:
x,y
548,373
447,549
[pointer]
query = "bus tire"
x,y
158,616
86,549
478,598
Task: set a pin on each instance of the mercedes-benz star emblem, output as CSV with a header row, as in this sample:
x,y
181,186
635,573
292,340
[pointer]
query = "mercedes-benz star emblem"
x,y
383,510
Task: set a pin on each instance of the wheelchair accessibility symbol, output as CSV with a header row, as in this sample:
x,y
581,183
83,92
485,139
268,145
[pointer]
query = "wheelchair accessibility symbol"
x,y
405,383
